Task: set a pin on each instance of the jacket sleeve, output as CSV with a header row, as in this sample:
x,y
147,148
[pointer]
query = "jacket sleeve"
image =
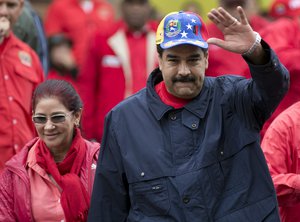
x,y
6,197
280,149
256,99
110,199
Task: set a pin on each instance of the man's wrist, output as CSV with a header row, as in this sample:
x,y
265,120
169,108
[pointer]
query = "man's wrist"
x,y
254,45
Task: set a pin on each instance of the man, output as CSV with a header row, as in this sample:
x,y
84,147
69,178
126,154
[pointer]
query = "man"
x,y
117,65
77,20
281,148
284,36
186,148
29,29
20,72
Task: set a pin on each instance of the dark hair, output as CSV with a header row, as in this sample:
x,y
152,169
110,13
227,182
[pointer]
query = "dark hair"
x,y
60,89
159,50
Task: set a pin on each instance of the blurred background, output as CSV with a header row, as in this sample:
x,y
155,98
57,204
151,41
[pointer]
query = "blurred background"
x,y
161,7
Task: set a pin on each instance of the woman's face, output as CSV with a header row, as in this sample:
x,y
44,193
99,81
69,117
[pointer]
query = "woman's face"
x,y
58,127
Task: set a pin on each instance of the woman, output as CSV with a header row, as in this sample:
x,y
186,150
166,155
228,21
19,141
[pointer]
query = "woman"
x,y
51,178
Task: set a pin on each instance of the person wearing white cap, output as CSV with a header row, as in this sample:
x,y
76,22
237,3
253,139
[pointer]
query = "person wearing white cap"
x,y
186,147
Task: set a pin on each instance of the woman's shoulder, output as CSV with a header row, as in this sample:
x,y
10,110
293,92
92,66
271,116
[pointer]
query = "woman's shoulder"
x,y
93,148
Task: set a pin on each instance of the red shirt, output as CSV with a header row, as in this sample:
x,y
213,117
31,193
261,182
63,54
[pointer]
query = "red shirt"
x,y
168,98
45,193
284,38
281,146
20,72
68,17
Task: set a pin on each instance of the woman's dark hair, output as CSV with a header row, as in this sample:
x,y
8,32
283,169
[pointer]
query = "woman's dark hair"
x,y
60,89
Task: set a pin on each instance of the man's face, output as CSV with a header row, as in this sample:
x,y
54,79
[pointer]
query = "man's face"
x,y
136,13
183,69
11,9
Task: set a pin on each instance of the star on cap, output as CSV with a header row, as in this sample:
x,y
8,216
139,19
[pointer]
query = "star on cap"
x,y
189,26
193,21
184,34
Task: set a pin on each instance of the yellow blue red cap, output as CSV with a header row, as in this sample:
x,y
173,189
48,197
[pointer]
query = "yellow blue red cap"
x,y
178,28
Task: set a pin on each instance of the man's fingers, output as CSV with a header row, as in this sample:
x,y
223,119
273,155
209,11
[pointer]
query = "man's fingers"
x,y
221,16
242,15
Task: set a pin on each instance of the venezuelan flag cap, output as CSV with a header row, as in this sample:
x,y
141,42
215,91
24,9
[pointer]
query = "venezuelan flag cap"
x,y
178,28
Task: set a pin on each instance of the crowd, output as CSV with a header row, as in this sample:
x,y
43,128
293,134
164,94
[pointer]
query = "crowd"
x,y
140,118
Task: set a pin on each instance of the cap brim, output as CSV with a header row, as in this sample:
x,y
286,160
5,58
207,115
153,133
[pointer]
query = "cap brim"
x,y
194,42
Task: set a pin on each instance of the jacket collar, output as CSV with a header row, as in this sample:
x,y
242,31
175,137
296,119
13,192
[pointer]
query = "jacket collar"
x,y
198,106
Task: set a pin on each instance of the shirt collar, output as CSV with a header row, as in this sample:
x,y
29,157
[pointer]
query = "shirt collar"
x,y
198,106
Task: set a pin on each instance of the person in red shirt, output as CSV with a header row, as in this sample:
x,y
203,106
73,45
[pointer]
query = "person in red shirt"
x,y
117,65
281,145
61,60
77,19
226,62
284,36
20,72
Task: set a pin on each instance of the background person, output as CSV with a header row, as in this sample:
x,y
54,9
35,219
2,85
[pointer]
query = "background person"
x,y
284,37
188,146
29,28
281,148
77,20
62,65
20,72
117,65
51,178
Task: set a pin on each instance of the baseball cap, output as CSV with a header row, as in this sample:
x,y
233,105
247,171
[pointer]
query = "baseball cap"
x,y
285,8
178,28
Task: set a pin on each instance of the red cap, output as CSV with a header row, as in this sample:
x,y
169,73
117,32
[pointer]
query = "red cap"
x,y
285,8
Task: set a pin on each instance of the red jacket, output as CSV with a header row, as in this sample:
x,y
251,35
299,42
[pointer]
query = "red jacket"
x,y
222,61
20,72
284,37
67,16
15,188
281,146
106,76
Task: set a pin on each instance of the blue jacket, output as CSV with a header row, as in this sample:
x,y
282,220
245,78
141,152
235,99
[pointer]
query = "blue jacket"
x,y
199,163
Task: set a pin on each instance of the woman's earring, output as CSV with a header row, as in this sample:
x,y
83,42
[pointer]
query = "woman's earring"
x,y
77,124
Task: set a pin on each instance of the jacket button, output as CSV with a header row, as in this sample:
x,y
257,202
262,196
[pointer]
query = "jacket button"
x,y
186,200
173,117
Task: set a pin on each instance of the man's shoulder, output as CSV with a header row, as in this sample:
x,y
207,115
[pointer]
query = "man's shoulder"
x,y
132,101
224,80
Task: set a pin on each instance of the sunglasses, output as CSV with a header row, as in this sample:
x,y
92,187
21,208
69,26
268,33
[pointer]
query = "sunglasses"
x,y
56,118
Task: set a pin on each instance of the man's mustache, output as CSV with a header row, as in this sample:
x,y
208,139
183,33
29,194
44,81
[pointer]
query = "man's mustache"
x,y
188,78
